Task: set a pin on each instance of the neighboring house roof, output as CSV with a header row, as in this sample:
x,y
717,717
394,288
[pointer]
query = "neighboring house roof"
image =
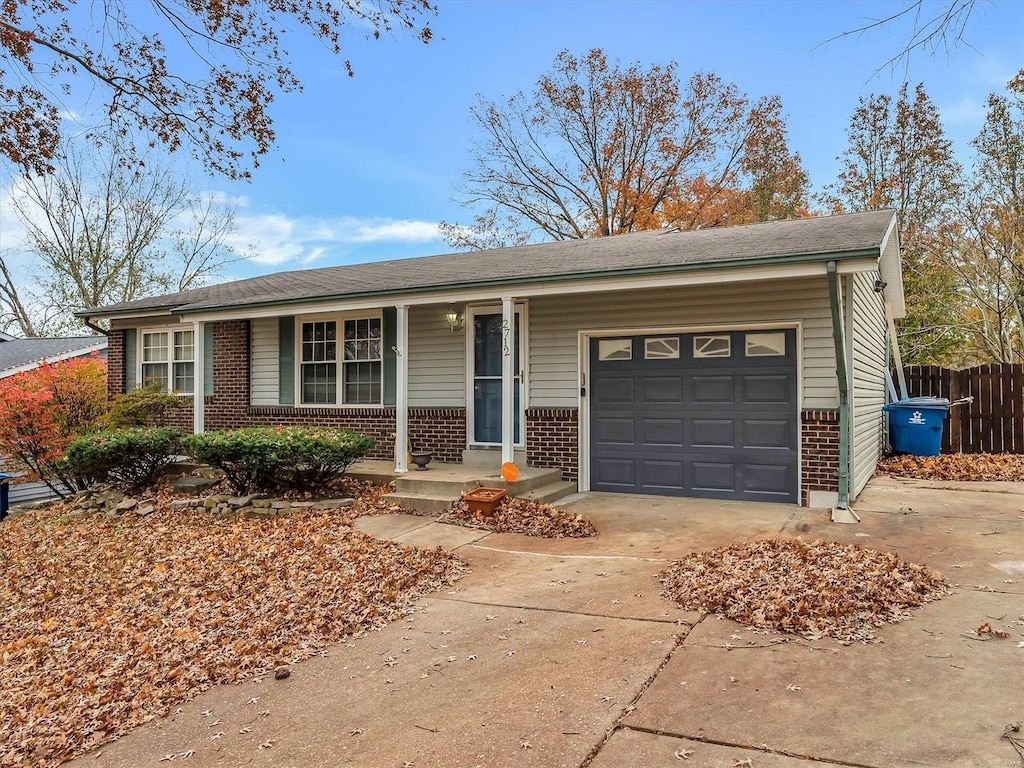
x,y
18,355
652,252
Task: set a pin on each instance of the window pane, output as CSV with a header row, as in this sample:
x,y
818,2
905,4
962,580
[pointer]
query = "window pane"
x,y
712,346
183,346
766,344
184,377
375,328
661,349
362,383
615,349
155,373
154,347
319,383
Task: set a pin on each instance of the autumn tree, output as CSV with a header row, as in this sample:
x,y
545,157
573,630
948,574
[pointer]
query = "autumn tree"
x,y
983,243
203,74
597,149
43,410
103,229
899,157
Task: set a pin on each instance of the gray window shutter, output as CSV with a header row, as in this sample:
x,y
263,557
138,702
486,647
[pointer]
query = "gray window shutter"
x,y
286,360
389,333
131,356
208,359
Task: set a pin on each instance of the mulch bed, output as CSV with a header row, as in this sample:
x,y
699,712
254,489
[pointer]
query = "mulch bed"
x,y
957,467
522,516
111,622
812,589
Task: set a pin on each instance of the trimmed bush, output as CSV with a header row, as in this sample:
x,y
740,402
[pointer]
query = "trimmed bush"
x,y
130,458
260,459
147,406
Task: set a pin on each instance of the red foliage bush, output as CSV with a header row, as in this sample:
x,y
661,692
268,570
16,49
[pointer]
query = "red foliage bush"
x,y
43,410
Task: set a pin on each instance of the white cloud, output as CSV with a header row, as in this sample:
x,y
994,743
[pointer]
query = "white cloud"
x,y
277,239
967,110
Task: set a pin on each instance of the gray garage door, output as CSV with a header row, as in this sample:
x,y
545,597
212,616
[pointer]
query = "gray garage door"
x,y
710,415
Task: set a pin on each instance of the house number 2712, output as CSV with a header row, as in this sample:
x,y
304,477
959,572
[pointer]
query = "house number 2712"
x,y
505,333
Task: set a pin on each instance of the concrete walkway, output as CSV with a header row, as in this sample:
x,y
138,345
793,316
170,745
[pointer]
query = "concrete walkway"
x,y
562,653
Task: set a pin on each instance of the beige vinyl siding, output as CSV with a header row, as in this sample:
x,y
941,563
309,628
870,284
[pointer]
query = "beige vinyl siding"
x,y
556,320
437,360
264,362
866,324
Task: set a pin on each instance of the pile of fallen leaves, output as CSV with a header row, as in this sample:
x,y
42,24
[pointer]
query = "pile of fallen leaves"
x,y
814,589
522,516
957,466
108,623
368,497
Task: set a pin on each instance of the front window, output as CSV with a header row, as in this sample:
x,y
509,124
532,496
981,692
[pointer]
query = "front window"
x,y
319,369
361,363
168,360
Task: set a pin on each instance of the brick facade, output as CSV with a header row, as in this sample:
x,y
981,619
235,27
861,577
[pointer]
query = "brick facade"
x,y
551,433
819,442
439,430
552,440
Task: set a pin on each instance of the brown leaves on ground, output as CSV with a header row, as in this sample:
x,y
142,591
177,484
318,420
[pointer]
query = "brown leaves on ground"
x,y
108,623
957,466
522,516
811,589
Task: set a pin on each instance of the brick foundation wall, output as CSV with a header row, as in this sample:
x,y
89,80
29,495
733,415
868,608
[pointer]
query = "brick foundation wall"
x,y
819,438
552,440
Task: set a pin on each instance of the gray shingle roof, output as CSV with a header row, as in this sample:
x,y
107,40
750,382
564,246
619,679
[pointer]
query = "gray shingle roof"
x,y
17,353
658,250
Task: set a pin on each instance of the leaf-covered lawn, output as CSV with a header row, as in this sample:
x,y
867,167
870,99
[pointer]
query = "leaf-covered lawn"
x,y
813,589
108,623
957,466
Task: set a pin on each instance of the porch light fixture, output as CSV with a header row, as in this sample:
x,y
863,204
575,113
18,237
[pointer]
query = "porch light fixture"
x,y
454,320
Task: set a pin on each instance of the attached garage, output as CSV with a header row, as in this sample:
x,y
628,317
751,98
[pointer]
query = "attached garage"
x,y
709,415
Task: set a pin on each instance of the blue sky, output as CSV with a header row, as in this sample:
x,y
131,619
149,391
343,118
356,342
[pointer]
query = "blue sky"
x,y
365,166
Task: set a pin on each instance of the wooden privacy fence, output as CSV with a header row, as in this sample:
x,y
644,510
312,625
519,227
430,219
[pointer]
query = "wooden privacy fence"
x,y
993,423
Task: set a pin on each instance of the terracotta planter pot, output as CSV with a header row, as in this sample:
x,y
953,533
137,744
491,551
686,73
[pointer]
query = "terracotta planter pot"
x,y
484,500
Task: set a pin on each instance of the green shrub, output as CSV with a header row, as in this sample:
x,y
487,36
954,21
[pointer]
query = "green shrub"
x,y
143,407
279,458
130,458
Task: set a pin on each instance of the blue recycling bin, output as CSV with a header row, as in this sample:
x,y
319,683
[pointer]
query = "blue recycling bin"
x,y
915,425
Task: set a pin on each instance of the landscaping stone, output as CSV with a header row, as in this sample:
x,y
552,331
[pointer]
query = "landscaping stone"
x,y
242,501
145,511
281,504
195,483
332,503
261,503
210,503
126,505
184,503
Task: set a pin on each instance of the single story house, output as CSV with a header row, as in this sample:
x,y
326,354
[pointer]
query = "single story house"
x,y
742,363
17,355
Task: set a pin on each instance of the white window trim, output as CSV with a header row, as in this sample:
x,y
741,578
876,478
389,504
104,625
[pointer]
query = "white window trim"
x,y
170,330
339,318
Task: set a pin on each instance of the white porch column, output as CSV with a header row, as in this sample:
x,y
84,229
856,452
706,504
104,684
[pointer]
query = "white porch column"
x,y
508,400
401,389
198,377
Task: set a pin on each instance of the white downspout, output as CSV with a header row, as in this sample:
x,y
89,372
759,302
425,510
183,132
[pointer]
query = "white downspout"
x,y
401,390
508,400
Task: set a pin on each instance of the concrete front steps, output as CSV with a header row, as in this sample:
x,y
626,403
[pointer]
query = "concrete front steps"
x,y
434,490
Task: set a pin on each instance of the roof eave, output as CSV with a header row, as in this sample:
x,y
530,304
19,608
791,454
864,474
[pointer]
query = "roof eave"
x,y
860,253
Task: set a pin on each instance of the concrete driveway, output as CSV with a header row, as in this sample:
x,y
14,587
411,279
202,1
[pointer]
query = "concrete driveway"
x,y
562,653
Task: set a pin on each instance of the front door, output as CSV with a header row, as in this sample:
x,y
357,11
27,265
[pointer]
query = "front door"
x,y
489,341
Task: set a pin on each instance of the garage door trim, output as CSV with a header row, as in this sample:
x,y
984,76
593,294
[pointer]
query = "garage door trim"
x,y
583,363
